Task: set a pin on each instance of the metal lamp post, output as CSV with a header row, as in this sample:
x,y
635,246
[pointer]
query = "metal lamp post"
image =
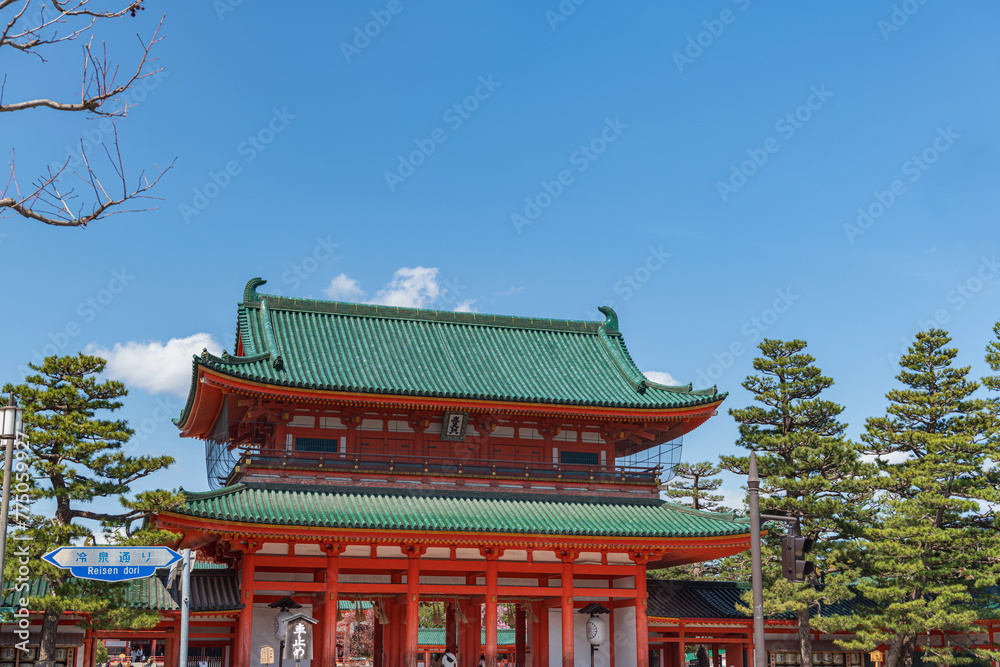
x,y
756,568
756,574
10,429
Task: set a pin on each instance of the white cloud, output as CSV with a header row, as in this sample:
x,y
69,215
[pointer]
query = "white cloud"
x,y
154,366
415,287
735,500
510,290
343,288
410,288
660,377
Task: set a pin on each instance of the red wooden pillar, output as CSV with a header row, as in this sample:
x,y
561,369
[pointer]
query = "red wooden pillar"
x,y
412,606
318,612
520,637
681,656
450,638
331,603
378,641
542,643
566,606
170,647
395,634
734,655
611,633
88,648
536,635
475,633
490,620
641,621
244,629
463,635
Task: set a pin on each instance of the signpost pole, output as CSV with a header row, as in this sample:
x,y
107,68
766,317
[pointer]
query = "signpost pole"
x,y
756,576
11,428
185,606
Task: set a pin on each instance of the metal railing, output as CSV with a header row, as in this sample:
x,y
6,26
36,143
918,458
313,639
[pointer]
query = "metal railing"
x,y
475,468
204,662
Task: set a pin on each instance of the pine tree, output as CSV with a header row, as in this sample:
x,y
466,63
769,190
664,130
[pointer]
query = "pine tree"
x,y
75,458
693,484
807,469
936,545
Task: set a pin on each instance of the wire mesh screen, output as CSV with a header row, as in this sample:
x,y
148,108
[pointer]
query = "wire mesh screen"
x,y
219,458
664,456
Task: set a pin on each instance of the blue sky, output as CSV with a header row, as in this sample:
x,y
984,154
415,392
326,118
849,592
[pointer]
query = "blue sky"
x,y
700,166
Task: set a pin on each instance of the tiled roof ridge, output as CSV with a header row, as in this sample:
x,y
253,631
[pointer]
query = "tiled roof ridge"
x,y
251,298
630,371
438,494
728,516
607,331
208,495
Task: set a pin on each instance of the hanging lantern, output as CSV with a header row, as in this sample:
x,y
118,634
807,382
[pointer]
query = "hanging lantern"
x,y
597,630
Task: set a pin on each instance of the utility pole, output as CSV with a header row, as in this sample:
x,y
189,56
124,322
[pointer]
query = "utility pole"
x,y
185,607
801,546
757,575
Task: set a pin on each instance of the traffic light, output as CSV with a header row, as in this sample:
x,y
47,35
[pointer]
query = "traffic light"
x,y
794,565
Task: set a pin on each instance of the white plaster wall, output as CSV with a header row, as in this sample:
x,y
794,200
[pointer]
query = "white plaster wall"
x,y
263,630
581,647
625,637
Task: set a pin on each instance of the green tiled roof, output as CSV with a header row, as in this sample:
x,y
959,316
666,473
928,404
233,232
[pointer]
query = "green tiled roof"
x,y
370,509
329,345
435,637
723,599
211,590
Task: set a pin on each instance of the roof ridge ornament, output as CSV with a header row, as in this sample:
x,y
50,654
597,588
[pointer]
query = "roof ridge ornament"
x,y
611,323
250,291
272,343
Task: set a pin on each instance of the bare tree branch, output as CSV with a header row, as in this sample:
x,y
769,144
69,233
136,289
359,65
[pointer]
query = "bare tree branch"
x,y
50,200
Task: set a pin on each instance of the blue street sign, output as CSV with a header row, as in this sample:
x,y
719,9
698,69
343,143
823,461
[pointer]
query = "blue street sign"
x,y
112,563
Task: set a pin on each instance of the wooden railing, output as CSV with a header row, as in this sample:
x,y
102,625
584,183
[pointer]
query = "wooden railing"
x,y
474,468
